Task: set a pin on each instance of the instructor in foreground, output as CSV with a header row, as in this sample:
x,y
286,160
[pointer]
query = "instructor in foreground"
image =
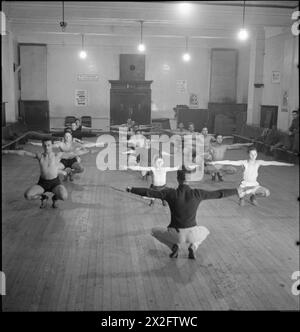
x,y
183,203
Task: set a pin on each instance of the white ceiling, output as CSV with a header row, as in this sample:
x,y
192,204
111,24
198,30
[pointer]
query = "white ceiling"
x,y
208,19
282,4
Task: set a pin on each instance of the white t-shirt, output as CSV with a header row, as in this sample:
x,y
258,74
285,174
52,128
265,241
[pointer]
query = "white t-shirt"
x,y
159,176
250,174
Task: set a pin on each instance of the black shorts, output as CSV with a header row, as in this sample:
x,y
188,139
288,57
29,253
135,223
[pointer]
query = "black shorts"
x,y
68,162
49,185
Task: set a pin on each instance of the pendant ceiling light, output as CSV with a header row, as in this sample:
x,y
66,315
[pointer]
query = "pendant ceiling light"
x,y
141,46
63,24
82,53
243,33
186,56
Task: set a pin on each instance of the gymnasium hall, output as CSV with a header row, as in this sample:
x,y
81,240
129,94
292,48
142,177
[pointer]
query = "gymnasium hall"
x,y
150,156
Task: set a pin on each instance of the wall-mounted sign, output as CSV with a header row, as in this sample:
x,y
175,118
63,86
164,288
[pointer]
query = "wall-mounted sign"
x,y
275,76
194,102
88,77
181,86
81,98
166,67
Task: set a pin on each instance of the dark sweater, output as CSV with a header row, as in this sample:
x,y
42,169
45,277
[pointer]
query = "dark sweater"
x,y
77,133
183,202
294,128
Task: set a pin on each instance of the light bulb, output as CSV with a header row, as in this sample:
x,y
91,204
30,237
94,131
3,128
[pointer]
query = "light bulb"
x,y
141,47
243,34
82,54
186,57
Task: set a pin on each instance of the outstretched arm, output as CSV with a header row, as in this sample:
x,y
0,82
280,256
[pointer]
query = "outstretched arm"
x,y
171,169
139,168
22,153
237,145
55,144
35,143
193,166
82,152
273,163
227,162
92,144
147,192
204,194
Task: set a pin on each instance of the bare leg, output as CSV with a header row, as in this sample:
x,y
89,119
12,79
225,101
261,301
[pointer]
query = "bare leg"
x,y
259,192
60,192
61,166
262,192
212,170
62,170
34,192
77,168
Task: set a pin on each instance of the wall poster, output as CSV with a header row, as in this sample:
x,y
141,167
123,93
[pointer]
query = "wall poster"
x,y
81,98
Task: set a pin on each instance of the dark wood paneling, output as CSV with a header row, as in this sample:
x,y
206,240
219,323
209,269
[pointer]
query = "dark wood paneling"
x,y
199,117
130,99
35,114
268,116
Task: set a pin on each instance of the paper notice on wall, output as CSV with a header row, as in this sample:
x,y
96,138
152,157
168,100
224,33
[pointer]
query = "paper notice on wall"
x,y
194,102
275,76
181,86
88,77
81,97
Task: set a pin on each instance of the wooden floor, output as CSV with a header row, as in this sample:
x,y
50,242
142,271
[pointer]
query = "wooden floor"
x,y
95,252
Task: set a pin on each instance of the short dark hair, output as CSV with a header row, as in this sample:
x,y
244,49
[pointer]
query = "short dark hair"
x,y
47,139
181,174
295,111
68,130
252,148
218,134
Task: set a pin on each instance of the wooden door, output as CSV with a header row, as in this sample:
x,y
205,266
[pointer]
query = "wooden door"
x,y
268,116
35,114
33,61
140,107
223,75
